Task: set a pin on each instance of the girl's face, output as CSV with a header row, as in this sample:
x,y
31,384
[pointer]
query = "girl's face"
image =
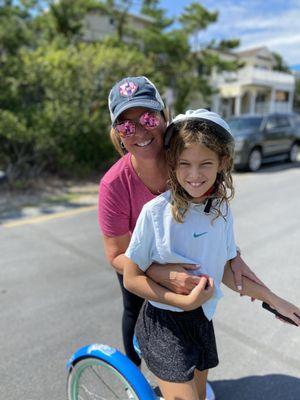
x,y
197,170
144,143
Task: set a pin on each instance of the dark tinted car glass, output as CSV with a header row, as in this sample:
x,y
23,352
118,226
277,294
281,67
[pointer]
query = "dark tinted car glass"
x,y
283,121
295,118
272,123
238,124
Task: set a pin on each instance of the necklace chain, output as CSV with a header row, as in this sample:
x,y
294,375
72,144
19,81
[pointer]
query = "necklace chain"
x,y
157,191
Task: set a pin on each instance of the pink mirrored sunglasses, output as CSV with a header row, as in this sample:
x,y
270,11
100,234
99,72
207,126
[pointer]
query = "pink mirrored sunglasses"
x,y
148,120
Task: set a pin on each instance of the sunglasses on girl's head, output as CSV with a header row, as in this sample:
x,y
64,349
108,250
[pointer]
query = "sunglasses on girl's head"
x,y
148,120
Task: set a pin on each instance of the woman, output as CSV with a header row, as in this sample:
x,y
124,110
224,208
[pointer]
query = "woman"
x,y
139,120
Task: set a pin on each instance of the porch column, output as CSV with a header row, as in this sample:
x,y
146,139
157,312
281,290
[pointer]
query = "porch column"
x,y
237,105
216,103
252,102
290,101
272,100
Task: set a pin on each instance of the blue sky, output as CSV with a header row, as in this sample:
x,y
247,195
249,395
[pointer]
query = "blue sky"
x,y
273,23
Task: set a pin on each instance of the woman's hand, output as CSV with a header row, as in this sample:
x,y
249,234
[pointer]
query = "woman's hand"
x,y
199,294
287,309
239,269
174,277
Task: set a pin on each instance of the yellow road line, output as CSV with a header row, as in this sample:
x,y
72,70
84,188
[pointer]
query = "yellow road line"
x,y
42,218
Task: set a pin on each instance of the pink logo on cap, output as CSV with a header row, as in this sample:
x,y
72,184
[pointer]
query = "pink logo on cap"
x,y
128,89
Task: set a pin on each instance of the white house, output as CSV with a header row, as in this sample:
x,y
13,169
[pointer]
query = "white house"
x,y
256,88
97,25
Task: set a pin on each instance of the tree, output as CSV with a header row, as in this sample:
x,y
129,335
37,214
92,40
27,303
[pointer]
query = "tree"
x,y
153,10
54,87
52,118
280,64
195,19
15,20
185,65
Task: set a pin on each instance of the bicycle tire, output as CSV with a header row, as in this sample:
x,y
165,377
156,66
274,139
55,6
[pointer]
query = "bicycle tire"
x,y
100,372
99,388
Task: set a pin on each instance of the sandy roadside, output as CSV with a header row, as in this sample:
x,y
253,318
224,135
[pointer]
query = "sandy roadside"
x,y
46,197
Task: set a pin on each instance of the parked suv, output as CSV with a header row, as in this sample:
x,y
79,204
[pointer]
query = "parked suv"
x,y
265,138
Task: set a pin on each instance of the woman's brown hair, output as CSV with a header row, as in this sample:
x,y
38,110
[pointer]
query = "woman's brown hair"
x,y
198,132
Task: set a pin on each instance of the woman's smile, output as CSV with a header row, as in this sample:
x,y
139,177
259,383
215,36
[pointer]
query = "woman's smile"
x,y
144,143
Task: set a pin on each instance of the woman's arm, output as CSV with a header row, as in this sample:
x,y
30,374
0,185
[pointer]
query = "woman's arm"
x,y
240,269
262,293
140,284
115,248
174,277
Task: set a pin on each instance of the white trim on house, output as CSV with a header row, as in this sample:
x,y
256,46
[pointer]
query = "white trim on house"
x,y
256,88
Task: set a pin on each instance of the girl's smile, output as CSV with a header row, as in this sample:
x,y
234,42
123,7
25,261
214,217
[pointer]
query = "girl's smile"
x,y
197,170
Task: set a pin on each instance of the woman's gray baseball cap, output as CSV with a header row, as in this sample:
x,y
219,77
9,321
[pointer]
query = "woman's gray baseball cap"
x,y
133,91
212,119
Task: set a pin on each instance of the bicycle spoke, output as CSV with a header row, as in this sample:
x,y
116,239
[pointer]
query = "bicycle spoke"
x,y
92,379
94,395
104,383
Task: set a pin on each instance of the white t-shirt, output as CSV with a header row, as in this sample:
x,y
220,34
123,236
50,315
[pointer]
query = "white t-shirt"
x,y
157,237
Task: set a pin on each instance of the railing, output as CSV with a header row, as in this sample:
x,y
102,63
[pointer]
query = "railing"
x,y
264,107
252,75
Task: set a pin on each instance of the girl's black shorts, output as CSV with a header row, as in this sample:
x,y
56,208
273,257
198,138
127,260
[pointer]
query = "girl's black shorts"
x,y
174,343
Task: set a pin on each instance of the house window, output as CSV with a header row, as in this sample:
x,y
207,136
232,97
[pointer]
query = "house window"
x,y
111,21
281,96
261,97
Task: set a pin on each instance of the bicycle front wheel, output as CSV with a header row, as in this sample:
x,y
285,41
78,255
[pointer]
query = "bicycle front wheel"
x,y
95,379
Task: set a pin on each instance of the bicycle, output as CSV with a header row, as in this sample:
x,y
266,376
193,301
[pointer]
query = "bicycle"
x,y
101,372
109,374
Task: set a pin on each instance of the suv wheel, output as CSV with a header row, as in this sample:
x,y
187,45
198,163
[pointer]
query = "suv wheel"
x,y
293,153
254,160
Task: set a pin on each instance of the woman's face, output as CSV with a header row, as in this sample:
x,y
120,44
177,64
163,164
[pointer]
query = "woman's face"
x,y
144,143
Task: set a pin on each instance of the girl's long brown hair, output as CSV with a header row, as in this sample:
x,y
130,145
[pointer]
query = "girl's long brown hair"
x,y
198,132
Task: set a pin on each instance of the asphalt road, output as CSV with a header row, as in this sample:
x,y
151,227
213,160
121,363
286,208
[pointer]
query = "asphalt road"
x,y
57,293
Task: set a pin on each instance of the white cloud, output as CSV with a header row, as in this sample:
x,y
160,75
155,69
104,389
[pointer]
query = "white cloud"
x,y
273,24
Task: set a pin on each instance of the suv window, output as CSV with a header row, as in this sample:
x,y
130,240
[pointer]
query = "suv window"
x,y
283,121
295,119
271,123
245,123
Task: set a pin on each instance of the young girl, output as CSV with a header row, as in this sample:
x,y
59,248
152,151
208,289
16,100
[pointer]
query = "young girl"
x,y
191,223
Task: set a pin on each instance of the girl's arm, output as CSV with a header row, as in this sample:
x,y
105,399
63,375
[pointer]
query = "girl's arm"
x,y
175,277
140,284
262,293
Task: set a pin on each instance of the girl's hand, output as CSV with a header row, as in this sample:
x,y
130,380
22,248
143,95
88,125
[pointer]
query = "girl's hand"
x,y
200,294
287,309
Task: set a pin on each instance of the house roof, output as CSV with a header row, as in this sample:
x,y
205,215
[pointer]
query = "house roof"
x,y
252,52
141,17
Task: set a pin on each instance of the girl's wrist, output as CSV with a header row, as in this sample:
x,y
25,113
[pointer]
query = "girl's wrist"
x,y
176,300
271,298
183,302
